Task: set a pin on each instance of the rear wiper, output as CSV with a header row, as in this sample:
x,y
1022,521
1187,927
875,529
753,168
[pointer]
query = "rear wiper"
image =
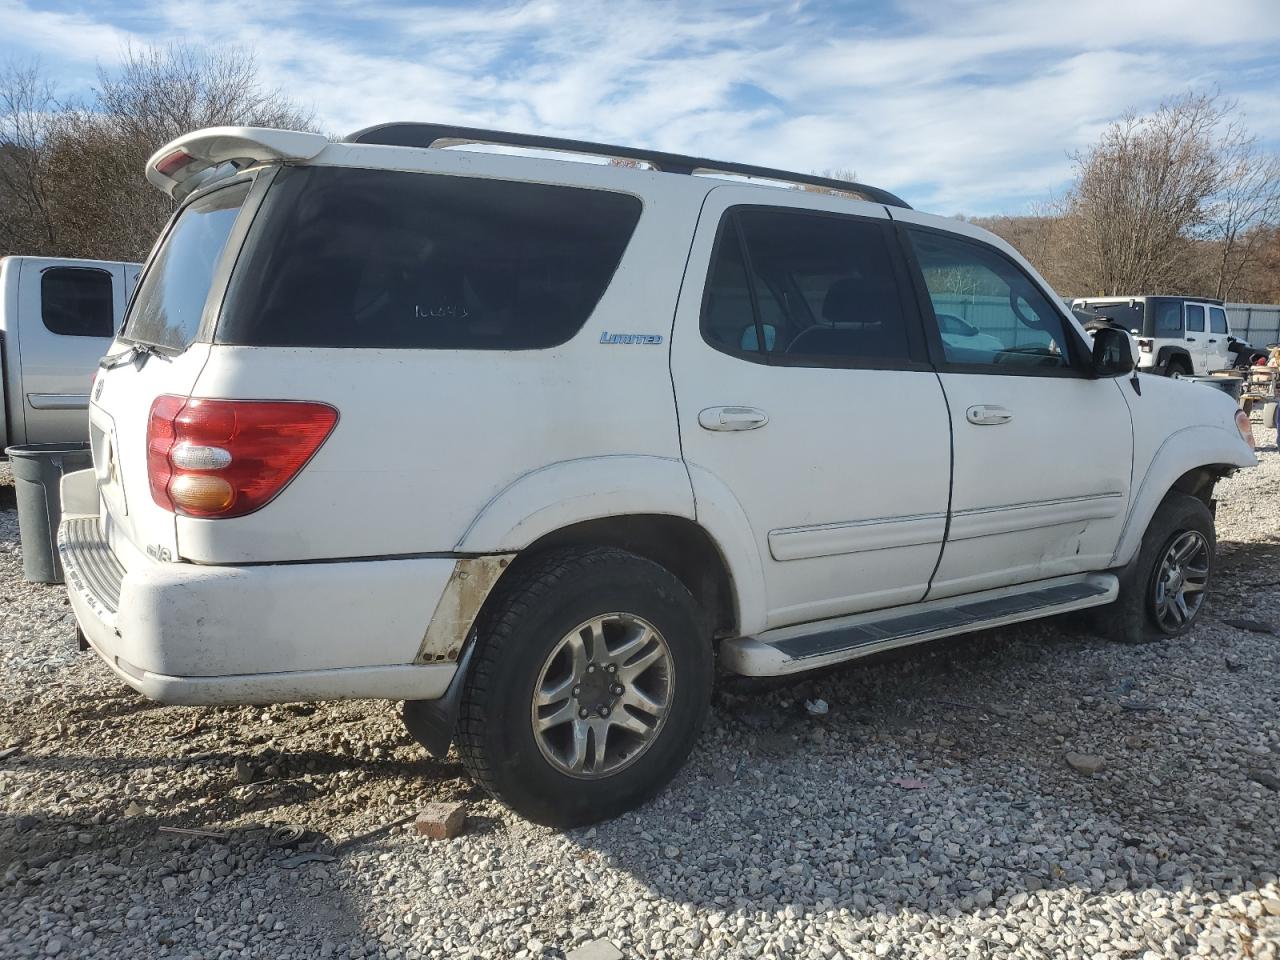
x,y
135,350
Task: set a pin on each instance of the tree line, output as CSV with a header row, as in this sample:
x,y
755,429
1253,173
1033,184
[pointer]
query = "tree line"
x,y
1181,200
71,171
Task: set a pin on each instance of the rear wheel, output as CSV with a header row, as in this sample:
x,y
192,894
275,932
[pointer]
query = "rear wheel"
x,y
1177,368
1163,591
589,686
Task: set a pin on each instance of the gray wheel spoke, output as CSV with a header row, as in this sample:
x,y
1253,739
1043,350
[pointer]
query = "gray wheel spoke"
x,y
599,744
631,723
578,752
1180,608
563,715
631,647
548,696
630,671
577,653
598,649
635,697
1186,550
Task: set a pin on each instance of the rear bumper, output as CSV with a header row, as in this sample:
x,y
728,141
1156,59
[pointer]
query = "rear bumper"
x,y
194,634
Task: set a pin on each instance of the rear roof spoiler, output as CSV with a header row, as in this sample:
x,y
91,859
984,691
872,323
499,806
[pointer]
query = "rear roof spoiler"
x,y
195,158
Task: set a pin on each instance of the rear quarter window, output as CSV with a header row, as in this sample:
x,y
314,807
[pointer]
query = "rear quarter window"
x,y
171,300
77,302
342,257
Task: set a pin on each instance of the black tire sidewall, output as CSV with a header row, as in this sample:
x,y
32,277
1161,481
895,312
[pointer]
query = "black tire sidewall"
x,y
518,772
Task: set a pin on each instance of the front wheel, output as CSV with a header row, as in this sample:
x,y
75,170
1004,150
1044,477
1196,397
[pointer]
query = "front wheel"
x,y
1163,590
589,685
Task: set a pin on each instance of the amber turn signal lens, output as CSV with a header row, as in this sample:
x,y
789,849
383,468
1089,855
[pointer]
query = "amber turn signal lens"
x,y
200,492
1245,428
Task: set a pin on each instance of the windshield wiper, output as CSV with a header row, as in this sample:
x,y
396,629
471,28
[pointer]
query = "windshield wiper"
x,y
135,350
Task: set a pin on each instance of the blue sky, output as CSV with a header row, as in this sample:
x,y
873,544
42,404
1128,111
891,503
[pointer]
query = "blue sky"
x,y
957,106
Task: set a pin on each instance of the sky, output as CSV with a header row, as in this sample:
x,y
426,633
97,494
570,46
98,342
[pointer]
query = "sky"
x,y
957,106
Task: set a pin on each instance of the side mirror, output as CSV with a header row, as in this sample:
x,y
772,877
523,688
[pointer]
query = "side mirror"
x,y
1112,353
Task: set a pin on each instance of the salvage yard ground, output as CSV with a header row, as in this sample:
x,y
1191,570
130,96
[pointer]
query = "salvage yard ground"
x,y
930,812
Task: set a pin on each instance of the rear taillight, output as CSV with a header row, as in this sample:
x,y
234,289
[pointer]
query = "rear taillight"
x,y
226,458
1144,346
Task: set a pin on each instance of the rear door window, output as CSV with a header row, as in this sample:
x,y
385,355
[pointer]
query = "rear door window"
x,y
341,257
167,309
1217,320
806,289
1168,319
77,302
1195,318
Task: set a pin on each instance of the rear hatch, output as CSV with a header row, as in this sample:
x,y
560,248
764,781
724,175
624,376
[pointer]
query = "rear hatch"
x,y
160,351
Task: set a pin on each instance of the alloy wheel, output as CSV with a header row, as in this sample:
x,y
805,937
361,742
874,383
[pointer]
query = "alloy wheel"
x,y
602,696
1178,587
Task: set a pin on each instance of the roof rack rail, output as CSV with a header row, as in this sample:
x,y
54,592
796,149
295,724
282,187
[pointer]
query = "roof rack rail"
x,y
444,135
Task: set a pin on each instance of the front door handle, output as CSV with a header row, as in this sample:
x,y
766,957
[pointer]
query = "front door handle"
x,y
732,418
1213,341
986,414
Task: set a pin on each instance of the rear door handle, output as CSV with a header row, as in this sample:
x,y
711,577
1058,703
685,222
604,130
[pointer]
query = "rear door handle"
x,y
986,414
732,418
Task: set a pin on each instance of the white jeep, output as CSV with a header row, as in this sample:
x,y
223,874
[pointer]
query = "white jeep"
x,y
534,444
1176,336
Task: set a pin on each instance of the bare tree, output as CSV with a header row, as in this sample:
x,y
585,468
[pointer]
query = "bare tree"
x,y
834,173
27,109
91,197
1247,201
1142,194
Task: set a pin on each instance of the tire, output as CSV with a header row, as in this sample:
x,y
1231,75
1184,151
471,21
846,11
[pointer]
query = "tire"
x,y
1136,616
1177,368
526,646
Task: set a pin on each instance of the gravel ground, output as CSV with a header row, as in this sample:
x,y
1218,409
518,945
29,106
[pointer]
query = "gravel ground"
x,y
930,812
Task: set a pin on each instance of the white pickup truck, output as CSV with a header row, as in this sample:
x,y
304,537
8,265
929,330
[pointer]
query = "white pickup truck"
x,y
57,318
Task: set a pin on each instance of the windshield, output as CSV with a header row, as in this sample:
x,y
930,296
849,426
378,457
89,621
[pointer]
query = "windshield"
x,y
167,309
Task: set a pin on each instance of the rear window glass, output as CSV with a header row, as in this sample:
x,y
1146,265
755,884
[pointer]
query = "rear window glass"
x,y
344,257
1217,320
1129,317
76,302
169,303
1168,318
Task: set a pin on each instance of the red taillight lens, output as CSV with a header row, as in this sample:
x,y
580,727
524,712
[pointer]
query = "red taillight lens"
x,y
173,162
226,458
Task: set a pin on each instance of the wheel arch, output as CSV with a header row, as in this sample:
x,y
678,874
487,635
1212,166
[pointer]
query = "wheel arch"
x,y
676,544
1191,461
1168,353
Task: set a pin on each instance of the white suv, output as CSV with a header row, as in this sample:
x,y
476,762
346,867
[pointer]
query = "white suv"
x,y
1176,336
533,444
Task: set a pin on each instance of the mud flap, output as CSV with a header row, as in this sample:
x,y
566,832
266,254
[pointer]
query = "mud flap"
x,y
431,722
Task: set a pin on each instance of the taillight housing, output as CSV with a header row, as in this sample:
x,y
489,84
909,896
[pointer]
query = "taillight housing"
x,y
173,162
1144,346
225,458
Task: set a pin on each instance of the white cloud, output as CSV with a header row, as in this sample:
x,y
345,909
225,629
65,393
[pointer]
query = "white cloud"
x,y
963,105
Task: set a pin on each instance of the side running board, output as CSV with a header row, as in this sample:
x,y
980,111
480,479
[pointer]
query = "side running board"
x,y
812,645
